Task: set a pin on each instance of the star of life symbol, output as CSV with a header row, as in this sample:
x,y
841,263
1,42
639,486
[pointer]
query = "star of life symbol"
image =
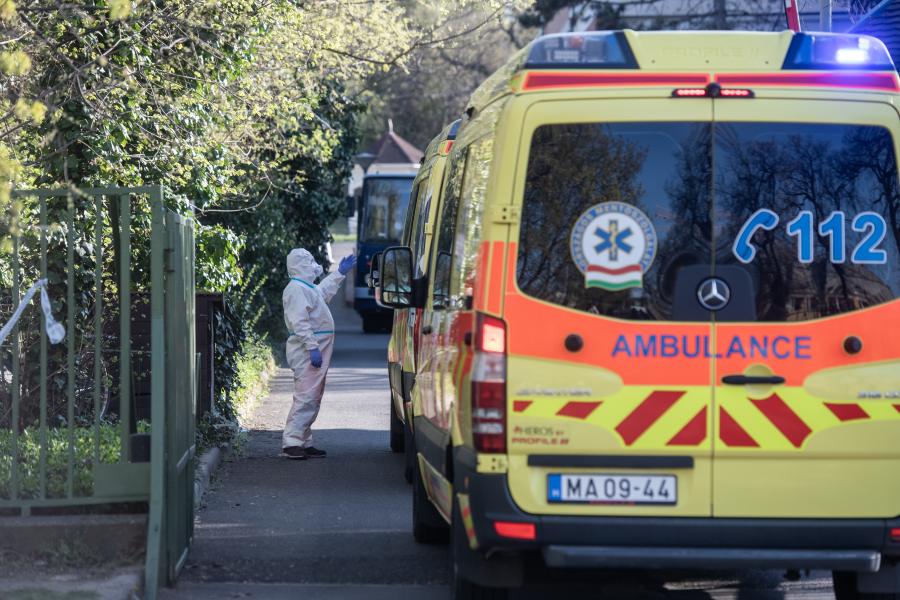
x,y
612,240
613,244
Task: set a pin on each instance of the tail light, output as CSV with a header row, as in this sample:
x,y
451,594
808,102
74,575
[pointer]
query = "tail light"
x,y
489,385
516,531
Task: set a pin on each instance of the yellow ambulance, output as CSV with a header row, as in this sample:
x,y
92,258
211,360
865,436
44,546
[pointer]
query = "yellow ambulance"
x,y
406,331
661,323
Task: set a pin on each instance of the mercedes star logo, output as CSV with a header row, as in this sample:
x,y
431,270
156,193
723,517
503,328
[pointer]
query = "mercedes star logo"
x,y
713,294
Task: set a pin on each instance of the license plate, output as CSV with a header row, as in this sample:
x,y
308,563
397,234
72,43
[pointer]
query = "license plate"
x,y
602,488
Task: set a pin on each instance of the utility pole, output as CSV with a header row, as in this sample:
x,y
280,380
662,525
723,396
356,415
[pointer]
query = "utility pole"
x,y
825,15
721,13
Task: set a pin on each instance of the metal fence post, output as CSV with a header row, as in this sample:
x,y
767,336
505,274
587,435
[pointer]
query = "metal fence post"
x,y
42,460
70,343
15,343
155,529
125,325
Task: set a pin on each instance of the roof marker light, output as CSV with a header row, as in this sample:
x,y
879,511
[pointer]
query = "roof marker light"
x,y
713,90
689,92
834,51
735,93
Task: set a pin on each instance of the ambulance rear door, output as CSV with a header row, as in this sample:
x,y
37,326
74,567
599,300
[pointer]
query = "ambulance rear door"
x,y
807,361
609,373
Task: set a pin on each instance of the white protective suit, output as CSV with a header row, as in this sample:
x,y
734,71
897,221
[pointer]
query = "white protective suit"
x,y
309,320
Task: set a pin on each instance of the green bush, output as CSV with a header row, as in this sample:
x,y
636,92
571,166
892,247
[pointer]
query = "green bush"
x,y
57,457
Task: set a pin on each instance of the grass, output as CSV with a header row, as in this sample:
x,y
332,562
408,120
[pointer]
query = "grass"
x,y
254,367
57,457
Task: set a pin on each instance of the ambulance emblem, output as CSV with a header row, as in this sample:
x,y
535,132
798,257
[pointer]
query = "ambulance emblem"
x,y
613,244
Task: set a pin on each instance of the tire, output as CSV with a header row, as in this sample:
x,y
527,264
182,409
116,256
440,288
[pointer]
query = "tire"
x,y
371,324
463,589
466,590
845,589
397,433
429,526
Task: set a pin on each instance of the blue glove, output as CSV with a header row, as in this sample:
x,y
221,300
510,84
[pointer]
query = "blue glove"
x,y
347,263
315,357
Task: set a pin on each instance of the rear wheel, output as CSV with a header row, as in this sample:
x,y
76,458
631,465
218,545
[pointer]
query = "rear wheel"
x,y
429,526
464,589
397,433
846,588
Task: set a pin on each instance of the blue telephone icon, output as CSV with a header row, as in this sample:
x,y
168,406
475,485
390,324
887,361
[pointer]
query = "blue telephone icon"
x,y
761,219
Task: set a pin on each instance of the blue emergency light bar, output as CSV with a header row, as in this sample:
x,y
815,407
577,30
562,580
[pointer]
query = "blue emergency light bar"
x,y
830,51
611,50
588,50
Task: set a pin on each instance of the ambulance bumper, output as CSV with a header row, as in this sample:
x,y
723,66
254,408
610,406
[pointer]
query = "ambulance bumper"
x,y
676,542
709,558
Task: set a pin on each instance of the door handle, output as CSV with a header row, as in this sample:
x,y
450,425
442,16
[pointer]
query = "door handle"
x,y
752,379
427,330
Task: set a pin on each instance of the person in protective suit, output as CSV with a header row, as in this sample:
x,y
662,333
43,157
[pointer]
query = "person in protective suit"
x,y
309,345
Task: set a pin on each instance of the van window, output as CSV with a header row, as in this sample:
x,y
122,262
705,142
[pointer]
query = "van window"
x,y
414,204
446,231
628,174
835,193
614,213
468,229
417,241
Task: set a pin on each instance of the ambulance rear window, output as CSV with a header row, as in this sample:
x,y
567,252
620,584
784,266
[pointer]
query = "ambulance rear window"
x,y
833,190
610,210
626,219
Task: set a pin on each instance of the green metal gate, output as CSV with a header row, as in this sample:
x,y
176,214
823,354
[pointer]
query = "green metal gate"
x,y
171,526
71,428
171,519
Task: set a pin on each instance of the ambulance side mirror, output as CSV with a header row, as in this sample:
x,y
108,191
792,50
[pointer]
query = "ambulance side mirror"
x,y
395,286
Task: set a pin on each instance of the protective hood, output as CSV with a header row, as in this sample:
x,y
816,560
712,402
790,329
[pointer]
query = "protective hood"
x,y
302,265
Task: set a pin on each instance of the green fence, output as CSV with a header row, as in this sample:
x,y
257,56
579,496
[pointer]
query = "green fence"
x,y
106,416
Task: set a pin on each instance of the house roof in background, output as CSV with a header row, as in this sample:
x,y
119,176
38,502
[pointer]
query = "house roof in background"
x,y
391,148
884,23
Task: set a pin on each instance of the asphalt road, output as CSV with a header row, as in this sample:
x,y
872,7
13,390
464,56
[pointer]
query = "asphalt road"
x,y
340,527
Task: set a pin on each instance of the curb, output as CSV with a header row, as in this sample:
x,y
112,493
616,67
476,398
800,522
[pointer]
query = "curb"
x,y
206,466
122,584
